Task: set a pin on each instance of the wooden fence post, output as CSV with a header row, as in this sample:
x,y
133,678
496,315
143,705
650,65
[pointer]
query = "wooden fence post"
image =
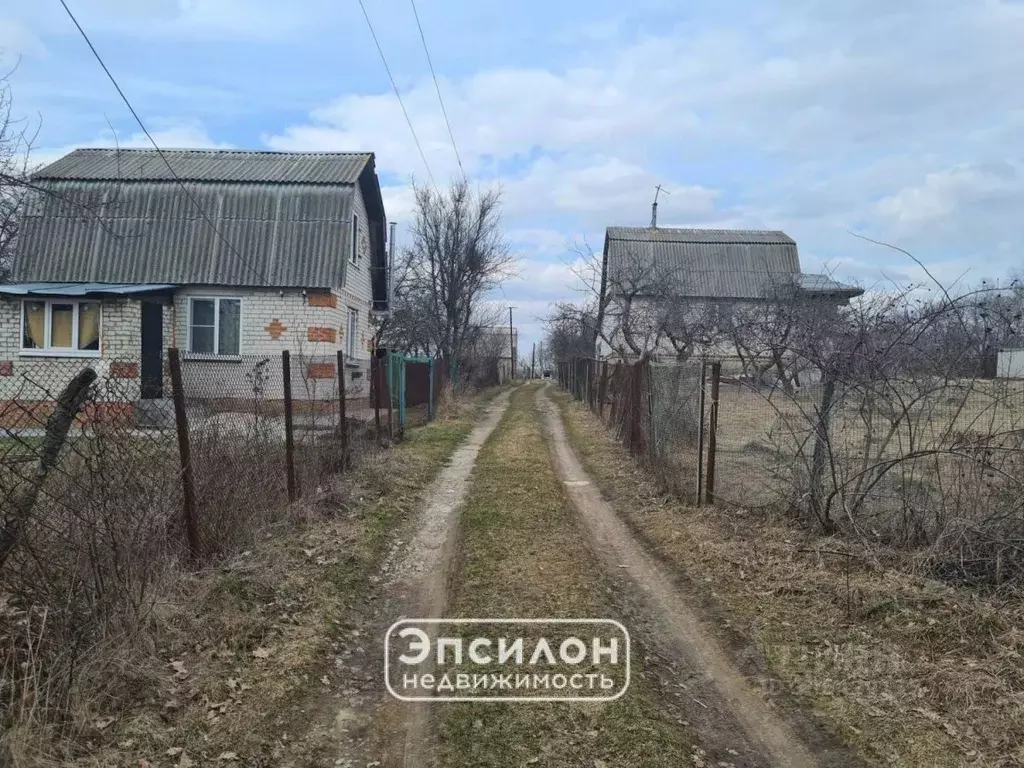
x,y
188,485
289,427
342,415
700,433
716,377
65,411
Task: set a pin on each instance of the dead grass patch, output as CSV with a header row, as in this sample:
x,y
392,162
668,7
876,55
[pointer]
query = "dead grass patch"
x,y
230,666
910,671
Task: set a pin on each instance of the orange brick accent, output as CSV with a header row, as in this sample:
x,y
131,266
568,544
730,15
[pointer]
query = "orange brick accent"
x,y
6,367
328,335
276,329
124,370
322,371
323,300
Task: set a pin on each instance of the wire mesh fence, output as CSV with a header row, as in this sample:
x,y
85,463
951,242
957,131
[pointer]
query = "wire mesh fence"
x,y
105,494
914,462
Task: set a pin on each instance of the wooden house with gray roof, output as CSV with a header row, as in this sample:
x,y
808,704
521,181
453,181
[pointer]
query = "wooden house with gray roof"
x,y
700,270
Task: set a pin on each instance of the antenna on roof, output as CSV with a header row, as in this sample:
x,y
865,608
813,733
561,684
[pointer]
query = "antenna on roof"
x,y
654,208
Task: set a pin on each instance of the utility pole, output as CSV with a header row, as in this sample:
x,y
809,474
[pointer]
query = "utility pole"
x,y
391,270
511,342
533,362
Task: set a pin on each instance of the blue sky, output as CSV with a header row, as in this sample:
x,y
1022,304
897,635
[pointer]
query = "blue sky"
x,y
901,121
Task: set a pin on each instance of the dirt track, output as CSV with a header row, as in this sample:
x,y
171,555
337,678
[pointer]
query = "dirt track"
x,y
732,716
421,576
736,725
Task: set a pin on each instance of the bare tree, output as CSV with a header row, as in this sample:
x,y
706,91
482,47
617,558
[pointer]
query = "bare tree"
x,y
457,256
638,306
16,139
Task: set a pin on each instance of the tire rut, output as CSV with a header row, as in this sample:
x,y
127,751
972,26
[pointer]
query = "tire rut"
x,y
420,581
733,718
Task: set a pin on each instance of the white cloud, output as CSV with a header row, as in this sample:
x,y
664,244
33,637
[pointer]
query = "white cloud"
x,y
185,135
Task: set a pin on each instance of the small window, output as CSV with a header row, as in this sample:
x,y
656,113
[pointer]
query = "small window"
x,y
353,330
61,327
214,326
354,252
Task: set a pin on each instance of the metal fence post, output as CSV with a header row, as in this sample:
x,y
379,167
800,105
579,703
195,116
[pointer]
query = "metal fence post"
x,y
391,396
716,376
188,486
376,382
289,433
602,389
820,447
430,397
700,433
342,415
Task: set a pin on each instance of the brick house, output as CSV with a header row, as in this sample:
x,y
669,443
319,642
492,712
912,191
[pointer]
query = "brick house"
x,y
232,257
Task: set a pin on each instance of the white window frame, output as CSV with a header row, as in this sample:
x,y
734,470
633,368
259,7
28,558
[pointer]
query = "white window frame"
x,y
216,355
73,350
351,333
353,257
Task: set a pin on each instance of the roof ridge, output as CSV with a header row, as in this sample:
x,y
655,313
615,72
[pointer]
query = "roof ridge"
x,y
225,150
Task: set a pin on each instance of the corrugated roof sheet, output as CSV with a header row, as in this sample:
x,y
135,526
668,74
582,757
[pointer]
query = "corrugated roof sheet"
x,y
704,263
208,165
151,232
676,235
80,289
825,284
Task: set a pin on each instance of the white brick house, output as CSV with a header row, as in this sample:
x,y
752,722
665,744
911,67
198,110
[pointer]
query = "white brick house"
x,y
235,256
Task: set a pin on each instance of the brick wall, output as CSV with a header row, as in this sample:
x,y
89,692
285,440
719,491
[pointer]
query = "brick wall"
x,y
29,378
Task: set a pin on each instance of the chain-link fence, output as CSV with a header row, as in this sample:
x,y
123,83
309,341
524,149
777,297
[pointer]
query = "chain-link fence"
x,y
925,463
106,494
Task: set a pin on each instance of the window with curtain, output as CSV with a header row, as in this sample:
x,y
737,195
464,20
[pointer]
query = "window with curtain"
x,y
215,326
60,327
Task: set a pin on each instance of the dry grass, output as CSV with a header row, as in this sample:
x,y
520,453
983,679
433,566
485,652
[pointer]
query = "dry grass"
x,y
909,671
523,553
230,656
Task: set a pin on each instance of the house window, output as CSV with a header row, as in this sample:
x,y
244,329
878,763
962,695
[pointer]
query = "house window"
x,y
57,326
353,329
214,326
354,254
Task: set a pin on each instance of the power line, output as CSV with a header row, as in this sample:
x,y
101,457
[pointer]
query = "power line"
x,y
401,103
159,151
437,87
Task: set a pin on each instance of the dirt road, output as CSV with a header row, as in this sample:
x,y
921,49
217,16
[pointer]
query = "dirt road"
x,y
515,525
419,580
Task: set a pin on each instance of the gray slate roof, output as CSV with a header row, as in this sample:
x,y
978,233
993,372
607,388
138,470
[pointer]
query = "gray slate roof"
x,y
208,165
284,219
706,263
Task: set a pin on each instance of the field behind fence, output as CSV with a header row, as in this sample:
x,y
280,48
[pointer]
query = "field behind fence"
x,y
920,464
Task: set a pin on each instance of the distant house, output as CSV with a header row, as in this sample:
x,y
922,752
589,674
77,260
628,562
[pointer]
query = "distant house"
x,y
500,344
230,257
701,270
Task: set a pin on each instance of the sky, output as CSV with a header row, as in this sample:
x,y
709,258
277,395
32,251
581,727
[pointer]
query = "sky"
x,y
903,122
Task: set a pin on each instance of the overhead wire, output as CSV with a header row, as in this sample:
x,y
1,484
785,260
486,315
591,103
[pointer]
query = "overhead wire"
x,y
437,87
398,95
159,151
